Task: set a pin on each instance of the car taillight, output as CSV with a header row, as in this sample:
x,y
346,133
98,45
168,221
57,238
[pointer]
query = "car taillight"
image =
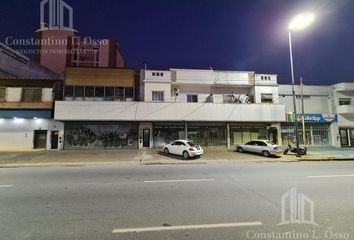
x,y
191,149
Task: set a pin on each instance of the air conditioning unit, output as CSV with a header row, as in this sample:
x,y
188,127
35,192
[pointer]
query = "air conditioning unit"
x,y
175,91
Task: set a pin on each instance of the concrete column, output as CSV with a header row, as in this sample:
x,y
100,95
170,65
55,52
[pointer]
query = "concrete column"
x,y
228,135
185,131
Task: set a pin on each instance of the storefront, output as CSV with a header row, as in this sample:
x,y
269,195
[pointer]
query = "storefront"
x,y
317,129
208,134
165,133
100,135
241,133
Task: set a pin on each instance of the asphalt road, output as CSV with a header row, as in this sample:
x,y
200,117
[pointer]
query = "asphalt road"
x,y
198,201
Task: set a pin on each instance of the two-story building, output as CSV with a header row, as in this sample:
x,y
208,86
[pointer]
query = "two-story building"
x,y
328,114
27,95
213,108
90,95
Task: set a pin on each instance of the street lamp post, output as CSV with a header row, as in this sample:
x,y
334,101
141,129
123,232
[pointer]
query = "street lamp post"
x,y
300,22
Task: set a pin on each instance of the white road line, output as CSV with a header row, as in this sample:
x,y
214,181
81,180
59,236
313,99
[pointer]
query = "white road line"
x,y
5,186
183,227
331,176
180,180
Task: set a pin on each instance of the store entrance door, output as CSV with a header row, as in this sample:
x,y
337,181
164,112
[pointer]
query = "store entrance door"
x,y
54,140
40,139
344,140
146,138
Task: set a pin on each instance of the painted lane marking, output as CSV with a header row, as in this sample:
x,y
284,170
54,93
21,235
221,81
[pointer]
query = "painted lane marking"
x,y
331,176
181,180
183,227
5,186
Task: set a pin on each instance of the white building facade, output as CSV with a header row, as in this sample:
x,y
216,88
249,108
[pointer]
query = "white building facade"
x,y
213,108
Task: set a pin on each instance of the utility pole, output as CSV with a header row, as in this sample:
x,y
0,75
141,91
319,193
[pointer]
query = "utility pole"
x,y
303,112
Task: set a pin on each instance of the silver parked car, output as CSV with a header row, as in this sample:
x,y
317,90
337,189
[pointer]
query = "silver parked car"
x,y
264,147
183,148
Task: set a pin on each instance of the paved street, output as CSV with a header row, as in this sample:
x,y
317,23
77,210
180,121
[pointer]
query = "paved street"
x,y
194,201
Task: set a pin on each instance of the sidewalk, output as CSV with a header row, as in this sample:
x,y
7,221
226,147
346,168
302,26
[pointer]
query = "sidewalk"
x,y
329,153
155,156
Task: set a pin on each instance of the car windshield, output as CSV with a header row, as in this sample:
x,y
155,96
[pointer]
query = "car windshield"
x,y
192,144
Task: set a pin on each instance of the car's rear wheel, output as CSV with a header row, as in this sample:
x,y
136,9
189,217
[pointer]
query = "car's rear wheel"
x,y
265,154
166,151
240,149
302,152
185,155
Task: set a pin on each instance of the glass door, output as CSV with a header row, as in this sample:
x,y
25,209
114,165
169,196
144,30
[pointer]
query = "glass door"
x,y
344,137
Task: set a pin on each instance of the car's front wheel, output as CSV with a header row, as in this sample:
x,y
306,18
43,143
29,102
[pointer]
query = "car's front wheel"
x,y
265,154
185,155
166,151
240,149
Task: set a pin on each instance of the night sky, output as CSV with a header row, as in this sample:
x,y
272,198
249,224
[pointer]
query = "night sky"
x,y
222,34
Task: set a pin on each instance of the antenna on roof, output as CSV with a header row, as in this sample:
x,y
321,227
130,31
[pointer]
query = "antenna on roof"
x,y
145,65
211,68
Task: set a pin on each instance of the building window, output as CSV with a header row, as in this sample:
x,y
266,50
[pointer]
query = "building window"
x,y
89,91
345,101
158,96
128,94
109,92
161,74
79,91
2,94
31,94
262,78
99,91
69,91
266,98
192,98
119,93
153,74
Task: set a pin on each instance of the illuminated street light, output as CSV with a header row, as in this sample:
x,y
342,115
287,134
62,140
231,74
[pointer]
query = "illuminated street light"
x,y
299,22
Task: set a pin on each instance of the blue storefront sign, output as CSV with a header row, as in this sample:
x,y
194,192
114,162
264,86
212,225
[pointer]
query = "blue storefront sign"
x,y
314,118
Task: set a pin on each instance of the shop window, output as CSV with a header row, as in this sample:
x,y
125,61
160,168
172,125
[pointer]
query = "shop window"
x,y
2,94
345,101
109,92
99,91
128,94
158,96
192,98
266,98
79,91
89,91
31,94
119,93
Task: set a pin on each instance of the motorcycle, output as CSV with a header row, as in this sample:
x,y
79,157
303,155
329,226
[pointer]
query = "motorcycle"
x,y
302,150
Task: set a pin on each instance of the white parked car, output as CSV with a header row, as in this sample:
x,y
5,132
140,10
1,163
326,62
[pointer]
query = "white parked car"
x,y
183,148
264,147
